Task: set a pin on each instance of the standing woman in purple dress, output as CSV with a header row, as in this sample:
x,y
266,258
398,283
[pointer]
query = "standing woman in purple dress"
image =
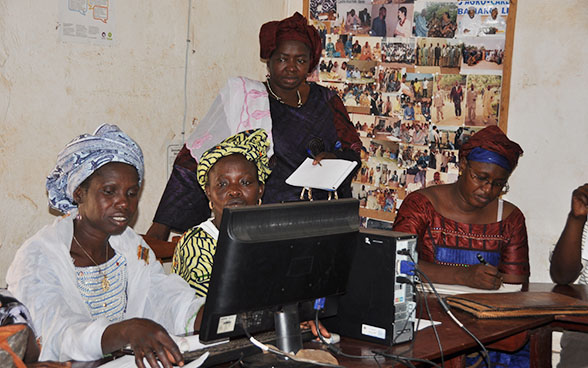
x,y
305,120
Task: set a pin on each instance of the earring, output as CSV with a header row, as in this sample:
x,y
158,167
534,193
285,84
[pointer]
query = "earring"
x,y
259,202
210,205
79,217
505,189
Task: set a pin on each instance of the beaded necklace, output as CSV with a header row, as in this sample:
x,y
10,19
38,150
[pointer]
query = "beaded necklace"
x,y
105,283
269,87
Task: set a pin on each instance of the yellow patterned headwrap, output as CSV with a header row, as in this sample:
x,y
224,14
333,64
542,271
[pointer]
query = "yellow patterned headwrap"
x,y
253,144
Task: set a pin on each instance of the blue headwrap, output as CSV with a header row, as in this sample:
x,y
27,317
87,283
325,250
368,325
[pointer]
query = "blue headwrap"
x,y
480,154
86,154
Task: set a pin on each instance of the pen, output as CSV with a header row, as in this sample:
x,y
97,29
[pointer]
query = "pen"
x,y
481,259
313,156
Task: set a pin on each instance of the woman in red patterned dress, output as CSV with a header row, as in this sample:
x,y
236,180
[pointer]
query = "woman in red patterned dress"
x,y
457,222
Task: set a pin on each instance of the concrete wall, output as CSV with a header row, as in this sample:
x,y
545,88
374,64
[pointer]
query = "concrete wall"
x,y
51,91
547,117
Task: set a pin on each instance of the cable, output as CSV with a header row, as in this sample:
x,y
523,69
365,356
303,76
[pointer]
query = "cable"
x,y
450,314
398,357
437,338
186,72
434,327
417,360
407,319
238,361
415,328
335,350
268,348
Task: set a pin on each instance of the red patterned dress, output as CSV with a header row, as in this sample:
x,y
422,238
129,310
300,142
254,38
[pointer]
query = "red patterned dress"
x,y
444,241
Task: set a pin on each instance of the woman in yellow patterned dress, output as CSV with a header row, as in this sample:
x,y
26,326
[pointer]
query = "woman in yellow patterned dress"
x,y
232,173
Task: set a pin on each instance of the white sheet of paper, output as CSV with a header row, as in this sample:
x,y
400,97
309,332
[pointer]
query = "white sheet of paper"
x,y
327,176
185,343
461,289
191,343
424,323
128,361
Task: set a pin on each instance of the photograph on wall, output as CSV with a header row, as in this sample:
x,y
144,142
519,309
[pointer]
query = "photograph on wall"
x,y
393,19
359,71
448,99
417,78
444,55
443,162
377,181
449,138
333,69
388,128
389,77
435,19
358,95
323,10
494,20
399,51
369,48
390,104
483,55
364,124
353,17
482,99
482,18
381,24
413,132
469,21
419,87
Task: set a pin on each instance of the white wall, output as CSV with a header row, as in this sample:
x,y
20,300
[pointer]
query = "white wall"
x,y
547,117
51,91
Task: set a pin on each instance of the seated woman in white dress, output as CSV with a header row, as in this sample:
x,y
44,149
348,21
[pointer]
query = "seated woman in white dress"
x,y
93,286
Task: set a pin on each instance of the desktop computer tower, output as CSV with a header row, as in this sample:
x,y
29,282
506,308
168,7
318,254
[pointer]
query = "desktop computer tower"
x,y
379,304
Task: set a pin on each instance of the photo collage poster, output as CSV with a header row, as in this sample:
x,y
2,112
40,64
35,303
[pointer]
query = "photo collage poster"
x,y
418,78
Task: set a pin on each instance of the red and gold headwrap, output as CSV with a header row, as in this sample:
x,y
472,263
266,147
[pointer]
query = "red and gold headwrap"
x,y
493,139
294,28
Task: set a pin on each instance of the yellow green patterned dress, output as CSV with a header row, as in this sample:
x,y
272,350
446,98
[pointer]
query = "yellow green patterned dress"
x,y
193,257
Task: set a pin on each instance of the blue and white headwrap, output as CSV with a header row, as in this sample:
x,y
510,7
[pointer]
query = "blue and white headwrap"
x,y
83,156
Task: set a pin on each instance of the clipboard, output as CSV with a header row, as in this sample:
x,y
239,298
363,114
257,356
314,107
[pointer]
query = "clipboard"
x,y
326,176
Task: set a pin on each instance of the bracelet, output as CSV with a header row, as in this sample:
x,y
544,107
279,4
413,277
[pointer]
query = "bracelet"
x,y
453,264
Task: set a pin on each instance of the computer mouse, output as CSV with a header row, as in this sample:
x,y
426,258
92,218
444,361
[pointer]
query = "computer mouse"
x,y
335,338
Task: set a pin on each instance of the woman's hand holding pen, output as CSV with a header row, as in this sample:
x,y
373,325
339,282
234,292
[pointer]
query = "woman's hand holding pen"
x,y
482,275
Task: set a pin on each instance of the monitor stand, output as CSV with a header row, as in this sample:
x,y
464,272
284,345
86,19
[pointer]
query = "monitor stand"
x,y
288,338
287,325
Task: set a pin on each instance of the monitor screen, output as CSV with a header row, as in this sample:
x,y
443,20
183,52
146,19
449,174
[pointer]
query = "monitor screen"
x,y
275,255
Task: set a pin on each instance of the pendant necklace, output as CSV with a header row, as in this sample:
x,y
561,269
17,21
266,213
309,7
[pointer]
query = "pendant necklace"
x,y
269,86
105,283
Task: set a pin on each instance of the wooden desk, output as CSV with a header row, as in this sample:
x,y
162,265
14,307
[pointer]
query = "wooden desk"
x,y
500,334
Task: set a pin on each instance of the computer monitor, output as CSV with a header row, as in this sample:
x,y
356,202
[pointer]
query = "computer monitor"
x,y
272,257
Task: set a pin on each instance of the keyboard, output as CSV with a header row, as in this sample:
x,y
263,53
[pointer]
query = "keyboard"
x,y
238,348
